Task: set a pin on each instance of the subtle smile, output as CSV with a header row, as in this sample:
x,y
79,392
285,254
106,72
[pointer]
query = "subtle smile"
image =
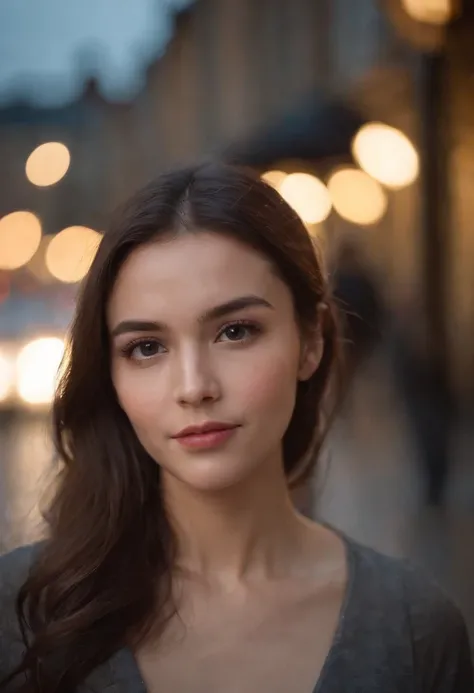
x,y
206,436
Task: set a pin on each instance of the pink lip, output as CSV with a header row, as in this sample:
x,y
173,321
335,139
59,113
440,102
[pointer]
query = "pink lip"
x,y
210,435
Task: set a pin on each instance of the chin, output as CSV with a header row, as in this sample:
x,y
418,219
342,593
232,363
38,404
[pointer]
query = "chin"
x,y
212,476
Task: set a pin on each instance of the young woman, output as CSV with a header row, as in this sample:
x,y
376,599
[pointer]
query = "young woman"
x,y
199,359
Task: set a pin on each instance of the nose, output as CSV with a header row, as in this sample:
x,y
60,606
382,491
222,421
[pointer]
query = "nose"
x,y
196,382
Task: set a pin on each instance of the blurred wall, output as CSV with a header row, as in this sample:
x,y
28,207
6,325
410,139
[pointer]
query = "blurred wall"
x,y
460,105
232,66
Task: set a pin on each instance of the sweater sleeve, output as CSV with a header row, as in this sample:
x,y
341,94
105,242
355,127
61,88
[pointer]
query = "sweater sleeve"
x,y
441,649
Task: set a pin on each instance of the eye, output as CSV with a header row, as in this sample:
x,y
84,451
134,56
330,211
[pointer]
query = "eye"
x,y
143,349
238,332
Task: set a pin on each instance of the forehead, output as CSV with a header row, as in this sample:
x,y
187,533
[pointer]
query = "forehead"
x,y
190,273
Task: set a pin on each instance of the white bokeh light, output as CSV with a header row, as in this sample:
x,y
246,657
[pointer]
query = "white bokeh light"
x,y
274,178
431,11
357,197
37,369
386,154
308,196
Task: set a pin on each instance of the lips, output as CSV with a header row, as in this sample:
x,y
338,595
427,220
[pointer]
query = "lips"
x,y
208,427
212,434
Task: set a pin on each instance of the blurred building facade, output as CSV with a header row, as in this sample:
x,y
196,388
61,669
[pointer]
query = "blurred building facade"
x,y
231,69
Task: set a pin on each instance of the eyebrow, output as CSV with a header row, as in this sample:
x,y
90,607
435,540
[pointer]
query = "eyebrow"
x,y
219,311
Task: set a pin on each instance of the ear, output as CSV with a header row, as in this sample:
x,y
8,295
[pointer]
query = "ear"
x,y
312,349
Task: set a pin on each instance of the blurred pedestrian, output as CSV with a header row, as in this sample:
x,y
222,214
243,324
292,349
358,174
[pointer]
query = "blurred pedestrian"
x,y
428,405
360,305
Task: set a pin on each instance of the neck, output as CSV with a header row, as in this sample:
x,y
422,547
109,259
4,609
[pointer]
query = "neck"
x,y
248,530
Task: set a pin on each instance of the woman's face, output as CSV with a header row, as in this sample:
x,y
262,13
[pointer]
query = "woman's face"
x,y
203,333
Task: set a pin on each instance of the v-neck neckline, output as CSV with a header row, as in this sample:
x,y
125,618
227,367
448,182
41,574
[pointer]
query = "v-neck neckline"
x,y
131,675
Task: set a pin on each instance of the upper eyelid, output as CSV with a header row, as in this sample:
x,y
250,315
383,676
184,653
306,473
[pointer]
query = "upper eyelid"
x,y
244,322
158,334
123,341
239,321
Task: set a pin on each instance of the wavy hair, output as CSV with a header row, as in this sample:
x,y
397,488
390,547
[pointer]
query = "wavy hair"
x,y
105,571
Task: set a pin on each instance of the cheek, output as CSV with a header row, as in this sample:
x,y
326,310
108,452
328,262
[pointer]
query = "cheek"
x,y
269,386
139,395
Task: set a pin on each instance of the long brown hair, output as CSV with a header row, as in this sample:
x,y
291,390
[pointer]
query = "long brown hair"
x,y
93,588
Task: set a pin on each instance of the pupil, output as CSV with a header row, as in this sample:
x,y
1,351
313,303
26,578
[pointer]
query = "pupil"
x,y
234,332
147,348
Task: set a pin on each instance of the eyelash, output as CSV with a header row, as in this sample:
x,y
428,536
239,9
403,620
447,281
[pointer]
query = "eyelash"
x,y
252,328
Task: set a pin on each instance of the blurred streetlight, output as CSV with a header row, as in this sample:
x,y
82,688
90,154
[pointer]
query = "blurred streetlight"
x,y
308,196
69,255
386,154
37,265
274,178
20,236
47,164
431,11
357,197
37,369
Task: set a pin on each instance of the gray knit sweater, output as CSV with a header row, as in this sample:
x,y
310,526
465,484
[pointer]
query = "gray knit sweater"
x,y
397,633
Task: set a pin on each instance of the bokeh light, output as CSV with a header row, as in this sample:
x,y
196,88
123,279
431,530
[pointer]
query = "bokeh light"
x,y
274,178
308,196
314,230
37,369
20,236
7,373
37,265
357,197
47,164
386,154
69,255
430,11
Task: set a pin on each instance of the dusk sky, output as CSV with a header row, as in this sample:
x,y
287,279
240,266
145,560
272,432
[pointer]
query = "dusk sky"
x,y
49,47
